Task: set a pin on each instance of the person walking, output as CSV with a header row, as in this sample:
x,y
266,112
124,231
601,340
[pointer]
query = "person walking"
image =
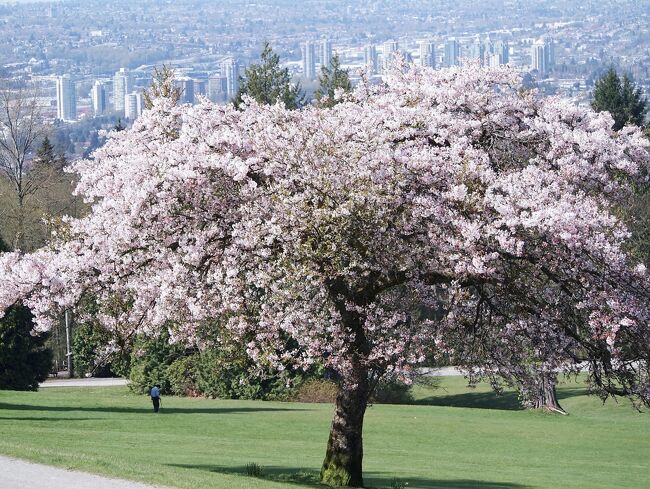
x,y
155,397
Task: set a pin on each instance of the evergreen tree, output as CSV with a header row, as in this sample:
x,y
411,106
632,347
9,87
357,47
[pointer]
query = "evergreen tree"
x,y
45,153
267,82
621,98
332,77
634,105
24,359
47,159
636,214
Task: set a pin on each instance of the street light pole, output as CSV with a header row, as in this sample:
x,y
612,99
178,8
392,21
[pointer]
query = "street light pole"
x,y
67,342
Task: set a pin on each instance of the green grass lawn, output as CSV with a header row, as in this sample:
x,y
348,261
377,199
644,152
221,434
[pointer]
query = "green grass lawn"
x,y
456,438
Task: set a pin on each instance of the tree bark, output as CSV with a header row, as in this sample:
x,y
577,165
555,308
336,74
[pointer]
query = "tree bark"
x,y
19,238
344,458
545,396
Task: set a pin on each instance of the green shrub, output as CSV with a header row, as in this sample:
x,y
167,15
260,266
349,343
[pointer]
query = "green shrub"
x,y
316,390
88,342
24,359
392,391
182,375
254,470
223,371
226,372
95,350
150,361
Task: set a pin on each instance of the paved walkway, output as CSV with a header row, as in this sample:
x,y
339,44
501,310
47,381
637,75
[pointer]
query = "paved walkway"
x,y
93,382
17,474
96,382
439,371
90,382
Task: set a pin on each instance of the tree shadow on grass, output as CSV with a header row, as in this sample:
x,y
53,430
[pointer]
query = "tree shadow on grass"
x,y
508,400
39,418
129,410
373,480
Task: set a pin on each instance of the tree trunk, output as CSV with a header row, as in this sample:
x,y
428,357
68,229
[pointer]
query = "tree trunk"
x,y
19,238
343,461
544,395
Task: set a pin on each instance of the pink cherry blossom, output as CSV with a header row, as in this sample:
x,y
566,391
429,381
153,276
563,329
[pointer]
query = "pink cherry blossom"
x,y
446,211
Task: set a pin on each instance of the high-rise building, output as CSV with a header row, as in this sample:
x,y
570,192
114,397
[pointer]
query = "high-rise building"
x,y
66,98
309,60
452,52
230,69
542,54
428,54
370,59
133,103
390,50
503,51
326,53
538,57
98,96
186,85
218,88
493,60
122,85
489,53
489,50
549,53
476,50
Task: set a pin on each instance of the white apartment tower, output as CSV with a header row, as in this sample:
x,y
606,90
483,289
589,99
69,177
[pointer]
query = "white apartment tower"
x,y
549,53
309,60
370,59
66,98
230,69
428,54
133,103
389,51
539,57
326,53
122,85
98,96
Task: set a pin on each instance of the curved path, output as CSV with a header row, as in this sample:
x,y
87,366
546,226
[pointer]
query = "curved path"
x,y
18,474
89,382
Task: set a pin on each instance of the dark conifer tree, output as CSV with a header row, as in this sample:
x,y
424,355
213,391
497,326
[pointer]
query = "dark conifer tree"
x,y
332,77
25,361
621,98
45,154
267,82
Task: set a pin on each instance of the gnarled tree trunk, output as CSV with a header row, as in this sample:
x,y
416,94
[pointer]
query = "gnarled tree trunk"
x,y
343,461
544,395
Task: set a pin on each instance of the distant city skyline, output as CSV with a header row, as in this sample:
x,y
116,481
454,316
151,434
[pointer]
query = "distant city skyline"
x,y
91,42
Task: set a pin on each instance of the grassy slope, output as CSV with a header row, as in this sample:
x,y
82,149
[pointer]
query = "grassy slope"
x,y
482,441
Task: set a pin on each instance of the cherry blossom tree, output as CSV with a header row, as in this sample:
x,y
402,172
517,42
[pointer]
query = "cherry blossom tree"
x,y
318,234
